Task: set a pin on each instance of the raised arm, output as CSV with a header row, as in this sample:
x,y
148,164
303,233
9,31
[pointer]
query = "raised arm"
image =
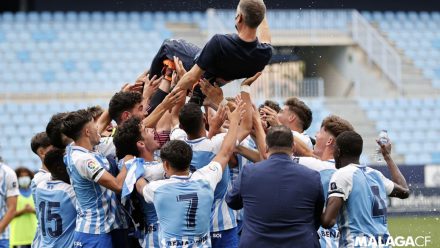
x,y
401,189
264,32
190,78
114,183
169,101
230,140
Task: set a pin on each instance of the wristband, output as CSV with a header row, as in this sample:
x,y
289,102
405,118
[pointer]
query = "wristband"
x,y
224,102
245,88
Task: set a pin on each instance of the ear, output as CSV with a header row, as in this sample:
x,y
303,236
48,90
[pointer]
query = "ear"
x,y
330,141
292,117
140,145
41,152
125,115
166,167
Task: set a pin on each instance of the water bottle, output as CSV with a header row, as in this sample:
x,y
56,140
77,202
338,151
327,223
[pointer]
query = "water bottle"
x,y
383,139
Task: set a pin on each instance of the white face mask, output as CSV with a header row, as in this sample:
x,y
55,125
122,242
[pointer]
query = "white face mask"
x,y
24,182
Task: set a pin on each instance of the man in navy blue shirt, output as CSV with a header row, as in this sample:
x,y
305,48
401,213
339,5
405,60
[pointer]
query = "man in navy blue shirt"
x,y
282,200
226,56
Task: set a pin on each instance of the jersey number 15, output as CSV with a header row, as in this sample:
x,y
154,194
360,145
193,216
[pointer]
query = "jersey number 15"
x,y
47,216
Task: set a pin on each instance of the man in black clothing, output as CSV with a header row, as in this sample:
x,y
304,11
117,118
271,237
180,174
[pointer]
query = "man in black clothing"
x,y
226,56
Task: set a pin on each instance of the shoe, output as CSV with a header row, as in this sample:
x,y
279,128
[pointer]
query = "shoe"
x,y
168,69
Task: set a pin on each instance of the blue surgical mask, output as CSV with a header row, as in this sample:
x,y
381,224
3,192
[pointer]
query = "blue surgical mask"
x,y
24,182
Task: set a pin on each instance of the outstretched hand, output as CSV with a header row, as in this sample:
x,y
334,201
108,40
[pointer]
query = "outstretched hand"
x,y
214,93
251,80
385,148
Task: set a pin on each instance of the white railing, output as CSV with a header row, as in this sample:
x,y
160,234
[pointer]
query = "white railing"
x,y
264,89
377,48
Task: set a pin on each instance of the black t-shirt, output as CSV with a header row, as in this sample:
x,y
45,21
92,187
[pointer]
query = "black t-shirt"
x,y
229,57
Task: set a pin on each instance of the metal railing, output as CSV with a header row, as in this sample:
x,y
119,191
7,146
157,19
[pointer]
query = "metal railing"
x,y
377,48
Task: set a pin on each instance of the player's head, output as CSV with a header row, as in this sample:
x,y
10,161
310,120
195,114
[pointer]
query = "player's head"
x,y
271,104
80,125
24,176
191,119
55,165
279,139
133,138
53,130
249,13
124,105
330,129
348,148
176,156
295,114
40,144
95,111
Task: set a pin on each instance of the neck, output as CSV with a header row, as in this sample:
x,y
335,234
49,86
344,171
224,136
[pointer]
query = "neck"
x,y
327,155
346,161
280,151
85,143
247,34
179,173
202,133
146,155
295,127
43,166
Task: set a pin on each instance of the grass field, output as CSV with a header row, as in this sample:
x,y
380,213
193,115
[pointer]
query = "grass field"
x,y
416,226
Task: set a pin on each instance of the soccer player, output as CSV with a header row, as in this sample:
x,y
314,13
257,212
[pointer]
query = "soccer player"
x,y
357,194
184,201
297,116
40,145
135,139
93,185
56,202
192,122
8,201
330,129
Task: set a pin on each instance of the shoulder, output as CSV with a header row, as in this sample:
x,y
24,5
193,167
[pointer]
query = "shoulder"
x,y
346,172
7,170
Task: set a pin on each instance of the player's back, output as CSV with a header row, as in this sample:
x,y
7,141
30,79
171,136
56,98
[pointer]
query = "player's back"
x,y
56,202
364,212
183,206
229,57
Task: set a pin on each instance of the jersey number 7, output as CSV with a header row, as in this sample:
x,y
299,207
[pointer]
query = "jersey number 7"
x,y
47,217
192,208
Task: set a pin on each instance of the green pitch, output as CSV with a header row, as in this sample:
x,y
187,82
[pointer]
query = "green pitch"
x,y
416,226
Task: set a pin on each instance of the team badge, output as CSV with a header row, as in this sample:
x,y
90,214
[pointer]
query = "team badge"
x,y
92,165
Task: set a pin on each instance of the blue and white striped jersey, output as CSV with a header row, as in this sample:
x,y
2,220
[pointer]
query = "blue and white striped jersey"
x,y
41,176
204,150
183,205
96,205
8,188
364,212
328,238
56,202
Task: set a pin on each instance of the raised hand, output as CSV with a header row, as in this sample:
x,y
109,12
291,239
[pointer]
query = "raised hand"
x,y
150,85
271,116
251,80
214,93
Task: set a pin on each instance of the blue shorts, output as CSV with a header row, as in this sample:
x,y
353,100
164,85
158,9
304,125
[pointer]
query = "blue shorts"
x,y
225,239
239,227
4,243
86,240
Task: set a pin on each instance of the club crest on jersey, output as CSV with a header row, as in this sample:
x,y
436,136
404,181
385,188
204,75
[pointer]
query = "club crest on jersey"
x,y
213,167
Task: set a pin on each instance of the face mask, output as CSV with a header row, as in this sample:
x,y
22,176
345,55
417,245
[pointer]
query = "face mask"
x,y
24,181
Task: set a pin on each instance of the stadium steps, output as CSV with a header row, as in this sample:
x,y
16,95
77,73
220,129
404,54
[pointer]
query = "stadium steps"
x,y
414,83
188,31
351,111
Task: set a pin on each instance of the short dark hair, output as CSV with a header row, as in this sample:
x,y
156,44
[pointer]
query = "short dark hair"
x,y
177,153
350,144
53,130
279,137
123,101
253,12
74,122
335,125
55,164
301,110
20,170
271,104
126,137
40,140
191,118
96,111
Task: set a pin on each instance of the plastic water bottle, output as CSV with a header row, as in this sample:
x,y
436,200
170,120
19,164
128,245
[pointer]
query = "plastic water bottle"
x,y
383,139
